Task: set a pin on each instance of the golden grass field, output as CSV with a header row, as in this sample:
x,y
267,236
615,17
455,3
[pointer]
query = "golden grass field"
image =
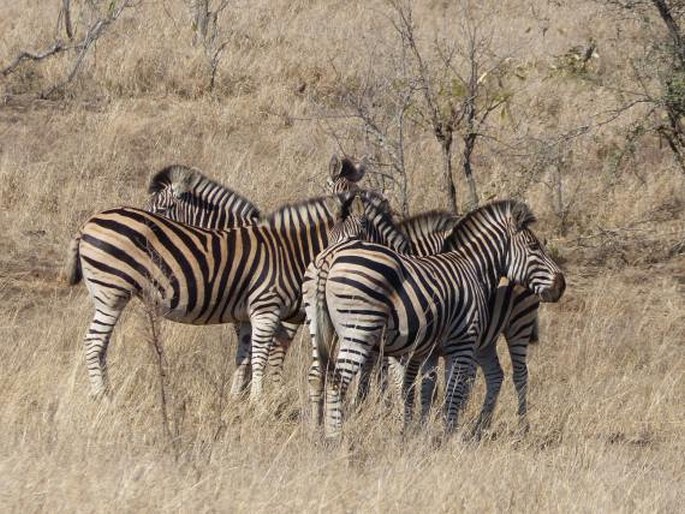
x,y
607,380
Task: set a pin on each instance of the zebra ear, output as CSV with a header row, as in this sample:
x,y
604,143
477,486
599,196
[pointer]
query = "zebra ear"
x,y
357,207
351,171
346,168
522,215
334,167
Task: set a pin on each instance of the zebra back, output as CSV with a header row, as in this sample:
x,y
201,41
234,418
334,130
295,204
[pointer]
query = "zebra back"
x,y
186,195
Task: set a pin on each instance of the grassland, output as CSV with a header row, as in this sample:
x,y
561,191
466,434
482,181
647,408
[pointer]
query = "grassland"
x,y
607,379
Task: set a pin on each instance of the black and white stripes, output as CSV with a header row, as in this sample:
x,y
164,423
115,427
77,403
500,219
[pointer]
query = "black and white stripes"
x,y
198,276
184,194
423,305
246,274
451,305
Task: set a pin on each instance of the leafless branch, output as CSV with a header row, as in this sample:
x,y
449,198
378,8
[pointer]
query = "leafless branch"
x,y
93,33
54,49
66,11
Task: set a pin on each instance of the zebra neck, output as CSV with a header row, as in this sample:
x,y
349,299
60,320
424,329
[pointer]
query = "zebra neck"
x,y
486,258
304,226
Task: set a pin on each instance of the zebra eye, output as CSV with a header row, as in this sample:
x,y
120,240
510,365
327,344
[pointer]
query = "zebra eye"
x,y
534,245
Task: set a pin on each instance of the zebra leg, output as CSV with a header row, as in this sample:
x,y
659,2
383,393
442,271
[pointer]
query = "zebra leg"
x,y
315,380
284,337
521,330
365,376
489,362
396,370
243,371
408,389
264,327
429,378
518,351
351,357
459,371
96,342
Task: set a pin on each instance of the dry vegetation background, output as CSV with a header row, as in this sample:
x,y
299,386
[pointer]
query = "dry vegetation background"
x,y
607,386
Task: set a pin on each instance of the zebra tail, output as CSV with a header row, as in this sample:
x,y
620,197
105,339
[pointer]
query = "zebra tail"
x,y
324,327
72,270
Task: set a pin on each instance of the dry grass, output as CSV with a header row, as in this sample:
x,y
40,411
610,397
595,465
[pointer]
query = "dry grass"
x,y
607,379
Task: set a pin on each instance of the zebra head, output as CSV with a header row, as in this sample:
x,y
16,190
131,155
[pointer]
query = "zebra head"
x,y
186,195
367,216
529,262
344,175
167,187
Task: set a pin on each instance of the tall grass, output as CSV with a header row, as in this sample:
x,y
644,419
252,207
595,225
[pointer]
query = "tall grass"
x,y
606,382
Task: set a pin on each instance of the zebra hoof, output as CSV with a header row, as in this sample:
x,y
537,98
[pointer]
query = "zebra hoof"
x,y
101,395
522,430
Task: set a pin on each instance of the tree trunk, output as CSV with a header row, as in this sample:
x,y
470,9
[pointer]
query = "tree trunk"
x,y
201,17
673,28
450,188
469,144
66,9
471,110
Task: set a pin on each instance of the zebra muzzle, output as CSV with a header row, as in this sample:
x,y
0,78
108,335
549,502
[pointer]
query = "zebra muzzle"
x,y
556,290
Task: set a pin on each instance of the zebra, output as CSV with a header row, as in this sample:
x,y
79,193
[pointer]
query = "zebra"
x,y
513,312
185,194
428,231
423,305
199,276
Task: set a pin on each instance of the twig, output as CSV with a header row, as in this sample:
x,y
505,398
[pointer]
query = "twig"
x,y
158,349
93,33
56,48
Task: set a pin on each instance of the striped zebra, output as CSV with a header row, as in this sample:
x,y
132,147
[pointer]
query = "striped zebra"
x,y
198,276
513,312
423,305
427,232
185,194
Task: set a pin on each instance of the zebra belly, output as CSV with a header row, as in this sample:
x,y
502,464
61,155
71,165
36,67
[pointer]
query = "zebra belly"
x,y
181,315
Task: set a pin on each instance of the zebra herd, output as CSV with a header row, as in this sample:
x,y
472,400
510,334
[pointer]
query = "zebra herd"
x,y
367,285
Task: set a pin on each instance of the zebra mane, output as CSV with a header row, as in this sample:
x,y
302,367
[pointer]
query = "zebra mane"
x,y
175,174
429,222
333,203
340,205
517,212
182,179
